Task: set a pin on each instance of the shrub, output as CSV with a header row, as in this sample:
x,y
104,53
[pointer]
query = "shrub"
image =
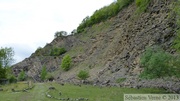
x,y
156,63
43,73
83,75
142,5
22,76
12,79
2,72
57,51
66,62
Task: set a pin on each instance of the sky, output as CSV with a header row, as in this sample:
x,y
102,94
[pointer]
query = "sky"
x,y
26,25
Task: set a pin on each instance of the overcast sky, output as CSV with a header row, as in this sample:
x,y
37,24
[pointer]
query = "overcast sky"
x,y
26,25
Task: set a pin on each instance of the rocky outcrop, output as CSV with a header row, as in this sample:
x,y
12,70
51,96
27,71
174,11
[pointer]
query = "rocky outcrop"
x,y
111,50
131,35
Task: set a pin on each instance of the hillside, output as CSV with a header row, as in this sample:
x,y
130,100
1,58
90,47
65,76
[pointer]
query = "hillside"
x,y
111,50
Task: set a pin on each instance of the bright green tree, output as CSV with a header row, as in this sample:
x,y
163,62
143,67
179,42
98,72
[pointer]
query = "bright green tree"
x,y
66,62
6,58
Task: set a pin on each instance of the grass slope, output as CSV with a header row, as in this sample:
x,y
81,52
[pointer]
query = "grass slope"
x,y
38,93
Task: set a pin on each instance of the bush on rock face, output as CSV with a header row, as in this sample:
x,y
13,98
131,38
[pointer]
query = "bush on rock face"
x,y
57,51
66,62
83,75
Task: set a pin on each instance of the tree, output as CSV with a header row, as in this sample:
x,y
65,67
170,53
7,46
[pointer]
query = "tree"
x,y
6,57
22,76
2,72
60,34
156,63
66,62
43,73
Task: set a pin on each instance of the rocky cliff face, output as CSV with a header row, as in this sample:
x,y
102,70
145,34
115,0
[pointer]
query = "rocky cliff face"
x,y
111,50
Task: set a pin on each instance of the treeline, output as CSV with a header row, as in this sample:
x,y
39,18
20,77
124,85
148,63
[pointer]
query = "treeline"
x,y
103,14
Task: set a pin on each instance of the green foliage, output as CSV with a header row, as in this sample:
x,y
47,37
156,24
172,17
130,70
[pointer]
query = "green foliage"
x,y
2,72
57,51
158,63
12,79
66,62
142,5
120,80
83,74
60,34
22,76
43,73
6,57
10,76
177,39
103,14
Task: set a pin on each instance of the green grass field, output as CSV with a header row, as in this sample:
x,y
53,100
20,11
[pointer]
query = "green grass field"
x,y
38,93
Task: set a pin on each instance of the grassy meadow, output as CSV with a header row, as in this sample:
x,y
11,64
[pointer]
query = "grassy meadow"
x,y
73,92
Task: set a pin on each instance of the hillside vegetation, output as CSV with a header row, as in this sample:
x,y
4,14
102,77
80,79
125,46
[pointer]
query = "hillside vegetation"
x,y
130,43
103,14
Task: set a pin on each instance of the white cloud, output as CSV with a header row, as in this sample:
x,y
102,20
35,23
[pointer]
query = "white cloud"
x,y
27,24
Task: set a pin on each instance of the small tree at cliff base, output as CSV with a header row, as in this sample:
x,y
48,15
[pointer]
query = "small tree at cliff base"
x,y
66,62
